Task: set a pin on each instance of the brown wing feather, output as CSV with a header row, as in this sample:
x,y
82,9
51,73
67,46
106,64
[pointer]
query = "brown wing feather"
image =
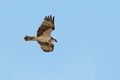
x,y
46,24
46,47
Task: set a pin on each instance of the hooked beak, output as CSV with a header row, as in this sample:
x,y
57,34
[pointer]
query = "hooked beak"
x,y
56,40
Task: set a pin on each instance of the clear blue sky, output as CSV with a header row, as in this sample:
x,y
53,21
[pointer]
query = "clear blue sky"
x,y
88,34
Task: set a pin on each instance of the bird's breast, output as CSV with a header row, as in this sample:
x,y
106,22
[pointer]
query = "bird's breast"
x,y
43,38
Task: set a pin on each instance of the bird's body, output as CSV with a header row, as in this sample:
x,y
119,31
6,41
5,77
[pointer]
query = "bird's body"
x,y
44,37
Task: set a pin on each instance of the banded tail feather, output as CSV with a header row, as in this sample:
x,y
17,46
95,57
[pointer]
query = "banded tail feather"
x,y
29,38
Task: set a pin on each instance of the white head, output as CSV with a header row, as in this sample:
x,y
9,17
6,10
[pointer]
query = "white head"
x,y
53,39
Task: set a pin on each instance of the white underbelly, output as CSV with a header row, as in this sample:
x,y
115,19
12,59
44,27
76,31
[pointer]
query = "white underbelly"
x,y
43,39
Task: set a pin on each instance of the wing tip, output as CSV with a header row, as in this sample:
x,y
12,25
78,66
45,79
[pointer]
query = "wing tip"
x,y
46,47
50,18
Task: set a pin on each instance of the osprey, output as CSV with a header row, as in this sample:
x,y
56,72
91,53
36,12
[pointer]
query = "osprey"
x,y
43,36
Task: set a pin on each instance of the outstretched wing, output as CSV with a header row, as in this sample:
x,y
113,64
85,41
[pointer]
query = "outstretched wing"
x,y
46,47
47,26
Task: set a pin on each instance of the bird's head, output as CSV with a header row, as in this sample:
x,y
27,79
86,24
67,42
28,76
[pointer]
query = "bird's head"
x,y
53,40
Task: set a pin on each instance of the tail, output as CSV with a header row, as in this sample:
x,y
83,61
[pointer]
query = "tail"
x,y
29,38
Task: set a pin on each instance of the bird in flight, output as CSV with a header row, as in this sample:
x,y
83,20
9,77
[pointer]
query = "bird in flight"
x,y
43,36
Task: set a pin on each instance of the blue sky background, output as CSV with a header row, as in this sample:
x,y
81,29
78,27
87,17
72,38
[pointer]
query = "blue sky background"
x,y
88,34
